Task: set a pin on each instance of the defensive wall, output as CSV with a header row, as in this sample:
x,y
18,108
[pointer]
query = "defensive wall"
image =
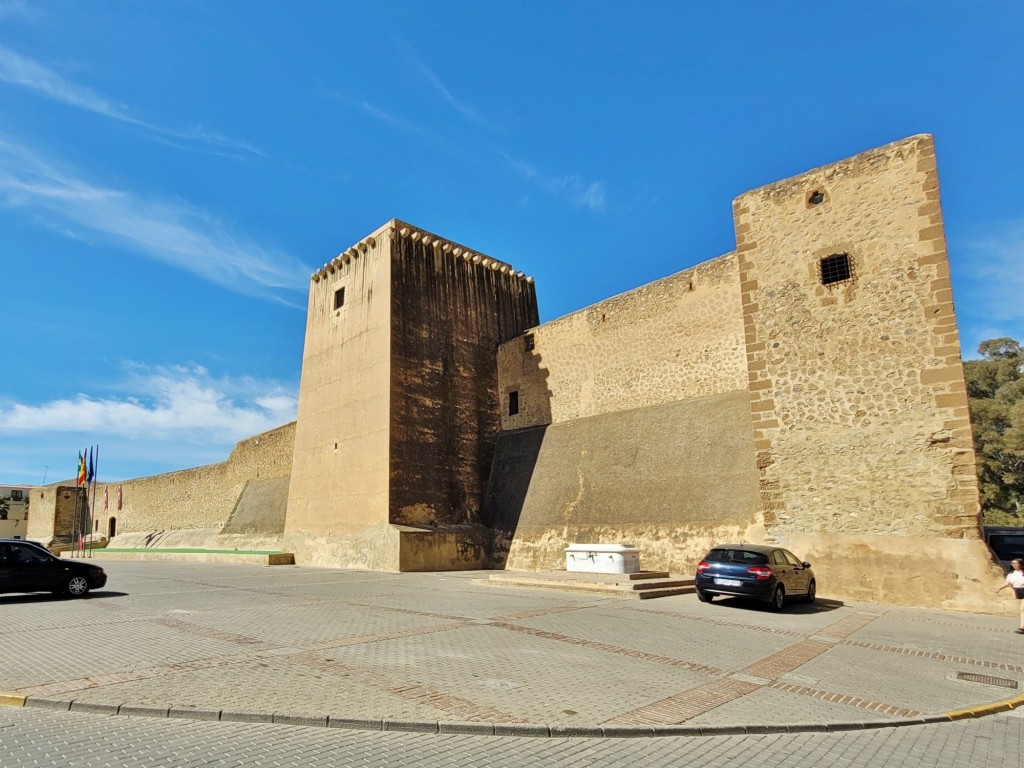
x,y
804,389
186,508
397,416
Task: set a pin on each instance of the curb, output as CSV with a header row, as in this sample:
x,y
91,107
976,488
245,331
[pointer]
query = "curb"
x,y
986,709
529,730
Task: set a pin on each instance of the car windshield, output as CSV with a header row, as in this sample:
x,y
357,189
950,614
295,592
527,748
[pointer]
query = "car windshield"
x,y
725,555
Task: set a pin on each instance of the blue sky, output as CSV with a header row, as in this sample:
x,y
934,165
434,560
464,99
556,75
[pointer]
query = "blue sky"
x,y
172,172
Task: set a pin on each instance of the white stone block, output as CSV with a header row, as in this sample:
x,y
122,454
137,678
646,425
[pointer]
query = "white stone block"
x,y
602,558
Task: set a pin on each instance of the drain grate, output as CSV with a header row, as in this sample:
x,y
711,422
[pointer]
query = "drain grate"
x,y
1002,682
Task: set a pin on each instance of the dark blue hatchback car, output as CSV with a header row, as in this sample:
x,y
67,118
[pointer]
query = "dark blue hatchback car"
x,y
770,574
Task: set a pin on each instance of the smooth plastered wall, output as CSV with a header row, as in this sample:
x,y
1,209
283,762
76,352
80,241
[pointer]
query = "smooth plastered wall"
x,y
339,479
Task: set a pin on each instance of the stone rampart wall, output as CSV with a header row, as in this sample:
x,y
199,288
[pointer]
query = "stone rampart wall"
x,y
672,479
198,498
674,339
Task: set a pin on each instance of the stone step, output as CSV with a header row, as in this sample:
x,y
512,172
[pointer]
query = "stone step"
x,y
213,556
618,584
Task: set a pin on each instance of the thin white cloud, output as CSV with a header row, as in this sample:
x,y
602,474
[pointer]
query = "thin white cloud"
x,y
12,8
468,112
580,193
179,403
988,274
27,73
994,267
396,122
173,232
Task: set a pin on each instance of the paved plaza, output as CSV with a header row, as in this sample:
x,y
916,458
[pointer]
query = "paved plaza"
x,y
223,652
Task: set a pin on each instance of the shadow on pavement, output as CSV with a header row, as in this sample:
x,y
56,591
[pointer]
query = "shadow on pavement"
x,y
45,597
820,605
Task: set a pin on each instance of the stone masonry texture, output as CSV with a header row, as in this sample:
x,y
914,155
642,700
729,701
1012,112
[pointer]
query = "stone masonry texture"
x,y
805,389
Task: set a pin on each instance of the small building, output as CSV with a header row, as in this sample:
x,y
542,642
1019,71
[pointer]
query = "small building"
x,y
14,505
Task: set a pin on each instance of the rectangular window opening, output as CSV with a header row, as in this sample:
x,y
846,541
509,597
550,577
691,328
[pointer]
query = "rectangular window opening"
x,y
339,298
513,403
836,268
529,342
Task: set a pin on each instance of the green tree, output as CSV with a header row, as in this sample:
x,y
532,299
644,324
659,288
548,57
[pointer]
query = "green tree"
x,y
995,389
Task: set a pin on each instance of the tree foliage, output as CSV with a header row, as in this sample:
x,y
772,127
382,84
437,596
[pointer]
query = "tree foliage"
x,y
995,388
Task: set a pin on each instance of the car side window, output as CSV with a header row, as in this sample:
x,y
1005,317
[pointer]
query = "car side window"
x,y
3,553
778,559
792,558
19,554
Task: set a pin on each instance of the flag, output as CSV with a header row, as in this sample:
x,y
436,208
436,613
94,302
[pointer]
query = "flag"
x,y
92,473
119,496
80,477
106,498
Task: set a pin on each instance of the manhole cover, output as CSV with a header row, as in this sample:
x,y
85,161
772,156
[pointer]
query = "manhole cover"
x,y
1002,682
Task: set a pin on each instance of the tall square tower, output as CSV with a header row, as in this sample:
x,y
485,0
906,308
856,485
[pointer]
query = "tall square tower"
x,y
398,402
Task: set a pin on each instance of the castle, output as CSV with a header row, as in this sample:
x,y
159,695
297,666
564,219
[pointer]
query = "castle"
x,y
805,388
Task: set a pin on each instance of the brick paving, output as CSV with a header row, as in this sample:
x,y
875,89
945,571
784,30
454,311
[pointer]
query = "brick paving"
x,y
444,653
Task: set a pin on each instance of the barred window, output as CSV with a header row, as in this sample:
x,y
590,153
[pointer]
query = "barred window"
x,y
837,268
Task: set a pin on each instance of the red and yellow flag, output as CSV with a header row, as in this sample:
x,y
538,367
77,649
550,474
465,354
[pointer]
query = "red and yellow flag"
x,y
80,478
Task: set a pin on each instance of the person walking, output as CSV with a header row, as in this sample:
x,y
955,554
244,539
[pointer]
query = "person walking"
x,y
1015,581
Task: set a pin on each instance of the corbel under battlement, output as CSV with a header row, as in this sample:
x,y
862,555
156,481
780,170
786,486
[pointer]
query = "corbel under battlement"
x,y
395,229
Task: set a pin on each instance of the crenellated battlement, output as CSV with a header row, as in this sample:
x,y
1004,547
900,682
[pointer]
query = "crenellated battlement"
x,y
396,229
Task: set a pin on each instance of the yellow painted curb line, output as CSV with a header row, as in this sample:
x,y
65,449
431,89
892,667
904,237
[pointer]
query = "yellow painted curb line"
x,y
12,700
986,709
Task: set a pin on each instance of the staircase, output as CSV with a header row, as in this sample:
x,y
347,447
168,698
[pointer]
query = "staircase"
x,y
637,586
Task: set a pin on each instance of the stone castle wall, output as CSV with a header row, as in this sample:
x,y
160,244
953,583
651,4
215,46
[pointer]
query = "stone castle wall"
x,y
338,488
396,421
633,425
449,314
199,498
673,339
747,398
861,422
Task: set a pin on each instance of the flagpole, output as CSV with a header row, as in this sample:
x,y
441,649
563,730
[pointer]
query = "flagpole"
x,y
77,543
93,471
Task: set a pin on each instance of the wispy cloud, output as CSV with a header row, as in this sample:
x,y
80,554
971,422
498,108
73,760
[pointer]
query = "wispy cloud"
x,y
173,417
988,274
580,193
12,8
468,112
173,232
181,403
28,73
571,187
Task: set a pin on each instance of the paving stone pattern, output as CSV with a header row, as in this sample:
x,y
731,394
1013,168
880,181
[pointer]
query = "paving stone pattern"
x,y
34,737
443,652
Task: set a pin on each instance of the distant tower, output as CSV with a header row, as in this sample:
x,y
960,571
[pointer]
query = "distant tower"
x,y
398,403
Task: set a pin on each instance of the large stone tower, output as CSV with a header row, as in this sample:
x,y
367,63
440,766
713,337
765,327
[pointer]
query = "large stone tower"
x,y
398,402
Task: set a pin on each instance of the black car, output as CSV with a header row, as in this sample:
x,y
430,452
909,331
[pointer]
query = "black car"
x,y
770,574
28,567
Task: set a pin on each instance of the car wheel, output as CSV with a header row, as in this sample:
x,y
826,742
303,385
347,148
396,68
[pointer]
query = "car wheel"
x,y
77,586
704,597
779,598
812,592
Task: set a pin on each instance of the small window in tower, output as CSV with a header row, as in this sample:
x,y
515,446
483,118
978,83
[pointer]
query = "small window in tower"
x,y
339,298
513,403
529,342
836,268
